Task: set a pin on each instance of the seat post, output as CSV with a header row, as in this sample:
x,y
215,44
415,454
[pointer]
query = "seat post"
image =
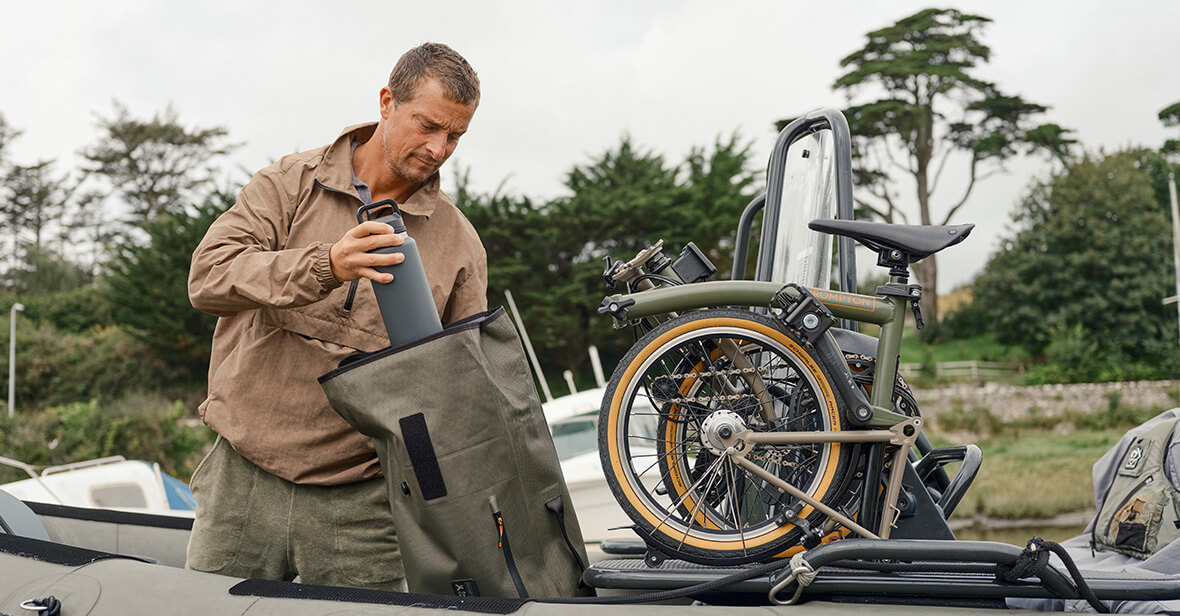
x,y
898,264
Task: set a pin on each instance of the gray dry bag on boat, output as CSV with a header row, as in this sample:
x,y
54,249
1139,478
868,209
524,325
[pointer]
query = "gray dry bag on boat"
x,y
478,497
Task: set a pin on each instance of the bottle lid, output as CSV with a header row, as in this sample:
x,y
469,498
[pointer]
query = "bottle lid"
x,y
389,213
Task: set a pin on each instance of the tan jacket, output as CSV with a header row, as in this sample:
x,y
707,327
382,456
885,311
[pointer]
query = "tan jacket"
x,y
263,268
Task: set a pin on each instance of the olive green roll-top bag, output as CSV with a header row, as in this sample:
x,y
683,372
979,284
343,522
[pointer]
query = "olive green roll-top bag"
x,y
474,481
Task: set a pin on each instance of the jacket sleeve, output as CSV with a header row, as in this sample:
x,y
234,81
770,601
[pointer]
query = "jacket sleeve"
x,y
242,264
470,293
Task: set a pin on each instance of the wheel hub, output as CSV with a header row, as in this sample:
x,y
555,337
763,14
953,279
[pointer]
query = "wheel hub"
x,y
719,429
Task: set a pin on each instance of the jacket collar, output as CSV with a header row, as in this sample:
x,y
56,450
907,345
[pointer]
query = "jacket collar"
x,y
335,172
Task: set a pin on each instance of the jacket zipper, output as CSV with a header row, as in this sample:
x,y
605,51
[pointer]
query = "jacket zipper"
x,y
508,559
1115,512
352,285
351,296
1133,492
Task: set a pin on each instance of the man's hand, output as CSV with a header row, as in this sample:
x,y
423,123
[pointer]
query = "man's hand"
x,y
350,258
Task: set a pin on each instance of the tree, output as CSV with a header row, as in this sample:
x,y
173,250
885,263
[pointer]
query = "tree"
x,y
33,202
154,166
929,105
1088,262
147,286
37,199
7,135
92,230
550,254
1170,116
45,272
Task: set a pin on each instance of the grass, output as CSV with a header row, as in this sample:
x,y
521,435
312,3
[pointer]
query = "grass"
x,y
982,347
1037,466
1036,474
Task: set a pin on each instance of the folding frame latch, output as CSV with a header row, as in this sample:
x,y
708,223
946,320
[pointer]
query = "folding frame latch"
x,y
912,292
803,313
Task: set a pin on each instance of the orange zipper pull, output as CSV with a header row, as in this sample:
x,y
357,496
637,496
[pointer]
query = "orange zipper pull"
x,y
500,524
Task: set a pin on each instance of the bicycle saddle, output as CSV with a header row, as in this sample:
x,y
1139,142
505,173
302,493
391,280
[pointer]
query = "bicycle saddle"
x,y
915,241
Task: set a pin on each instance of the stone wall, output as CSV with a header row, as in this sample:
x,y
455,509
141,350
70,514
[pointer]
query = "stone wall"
x,y
1012,402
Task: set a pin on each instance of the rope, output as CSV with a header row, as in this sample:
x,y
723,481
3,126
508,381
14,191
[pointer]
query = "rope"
x,y
46,606
1033,560
802,574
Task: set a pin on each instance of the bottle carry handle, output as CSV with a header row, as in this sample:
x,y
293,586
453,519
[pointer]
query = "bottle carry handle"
x,y
364,210
361,215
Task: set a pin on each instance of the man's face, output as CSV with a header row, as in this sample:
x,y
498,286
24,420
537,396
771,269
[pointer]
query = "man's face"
x,y
421,134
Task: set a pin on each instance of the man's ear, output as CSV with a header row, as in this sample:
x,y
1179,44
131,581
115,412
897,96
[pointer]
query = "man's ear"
x,y
387,103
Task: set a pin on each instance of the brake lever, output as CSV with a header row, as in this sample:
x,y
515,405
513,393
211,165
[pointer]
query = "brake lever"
x,y
610,268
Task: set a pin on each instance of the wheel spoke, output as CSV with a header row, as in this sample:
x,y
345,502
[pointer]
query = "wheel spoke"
x,y
696,507
688,492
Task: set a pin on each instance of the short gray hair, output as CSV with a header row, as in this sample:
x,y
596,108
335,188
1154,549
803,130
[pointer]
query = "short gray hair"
x,y
437,61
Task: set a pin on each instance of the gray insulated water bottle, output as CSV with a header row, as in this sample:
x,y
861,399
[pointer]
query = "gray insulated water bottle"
x,y
406,304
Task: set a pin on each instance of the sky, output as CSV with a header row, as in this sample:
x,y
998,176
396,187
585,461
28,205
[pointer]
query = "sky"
x,y
562,82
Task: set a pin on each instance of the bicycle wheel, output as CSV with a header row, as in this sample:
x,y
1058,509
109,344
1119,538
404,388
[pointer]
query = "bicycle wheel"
x,y
682,385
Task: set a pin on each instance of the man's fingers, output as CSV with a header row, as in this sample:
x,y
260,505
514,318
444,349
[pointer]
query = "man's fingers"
x,y
351,258
369,259
374,275
395,258
370,227
372,242
364,260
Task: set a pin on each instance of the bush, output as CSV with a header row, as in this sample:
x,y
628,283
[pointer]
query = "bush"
x,y
54,368
967,321
143,427
147,287
978,420
1084,272
1073,355
76,311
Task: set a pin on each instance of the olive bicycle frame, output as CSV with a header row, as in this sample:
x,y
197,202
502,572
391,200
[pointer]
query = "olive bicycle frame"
x,y
884,426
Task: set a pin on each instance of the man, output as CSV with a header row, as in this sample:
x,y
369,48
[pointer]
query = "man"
x,y
290,489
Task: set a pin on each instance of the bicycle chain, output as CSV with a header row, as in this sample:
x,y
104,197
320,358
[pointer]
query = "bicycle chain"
x,y
750,370
766,457
716,373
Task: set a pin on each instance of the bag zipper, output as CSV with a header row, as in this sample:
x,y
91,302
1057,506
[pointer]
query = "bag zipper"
x,y
508,559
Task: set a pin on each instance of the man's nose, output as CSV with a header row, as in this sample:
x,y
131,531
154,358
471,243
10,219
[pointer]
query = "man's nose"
x,y
436,145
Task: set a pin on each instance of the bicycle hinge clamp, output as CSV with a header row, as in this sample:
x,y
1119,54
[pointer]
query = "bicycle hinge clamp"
x,y
802,312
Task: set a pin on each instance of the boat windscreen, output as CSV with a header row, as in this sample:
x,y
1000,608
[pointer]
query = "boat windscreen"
x,y
801,255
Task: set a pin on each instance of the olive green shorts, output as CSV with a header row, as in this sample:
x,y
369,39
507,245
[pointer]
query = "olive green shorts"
x,y
252,524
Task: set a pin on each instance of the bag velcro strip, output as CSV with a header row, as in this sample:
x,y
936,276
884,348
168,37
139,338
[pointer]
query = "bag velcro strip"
x,y
420,449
